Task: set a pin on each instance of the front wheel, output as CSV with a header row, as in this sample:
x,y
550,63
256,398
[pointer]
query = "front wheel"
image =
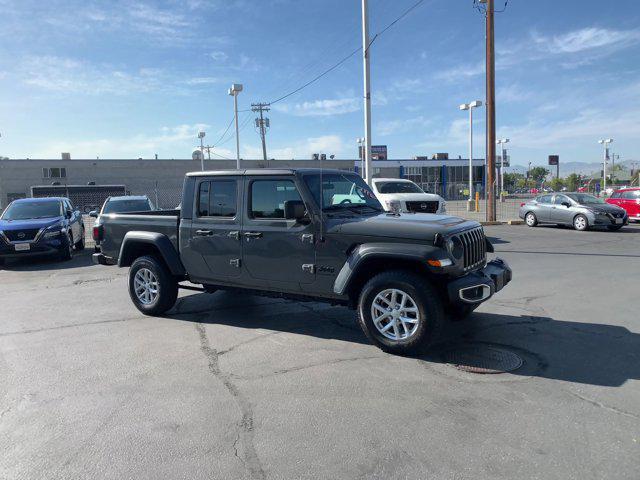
x,y
67,248
580,223
530,219
151,287
400,312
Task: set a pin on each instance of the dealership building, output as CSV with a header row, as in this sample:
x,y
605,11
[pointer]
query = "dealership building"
x,y
88,181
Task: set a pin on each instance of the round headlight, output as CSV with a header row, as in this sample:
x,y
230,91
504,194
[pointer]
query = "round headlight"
x,y
455,247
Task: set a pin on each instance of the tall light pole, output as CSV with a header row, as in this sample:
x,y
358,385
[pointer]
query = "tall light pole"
x,y
502,142
605,143
470,107
201,135
235,89
360,142
367,92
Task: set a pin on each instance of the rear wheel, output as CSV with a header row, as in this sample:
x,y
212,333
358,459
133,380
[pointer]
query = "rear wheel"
x,y
151,287
580,223
530,219
400,312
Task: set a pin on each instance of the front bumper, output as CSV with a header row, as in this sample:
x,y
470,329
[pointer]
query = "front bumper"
x,y
42,247
479,286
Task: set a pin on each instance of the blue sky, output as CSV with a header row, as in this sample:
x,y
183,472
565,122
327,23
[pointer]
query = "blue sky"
x,y
123,79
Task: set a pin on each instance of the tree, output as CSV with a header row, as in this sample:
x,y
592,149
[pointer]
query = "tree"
x,y
557,184
573,182
538,174
512,181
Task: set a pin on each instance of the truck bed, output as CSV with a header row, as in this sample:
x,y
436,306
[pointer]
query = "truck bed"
x,y
117,225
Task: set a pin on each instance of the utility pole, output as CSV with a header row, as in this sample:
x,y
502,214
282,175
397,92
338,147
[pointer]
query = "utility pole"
x,y
491,113
262,124
367,92
208,149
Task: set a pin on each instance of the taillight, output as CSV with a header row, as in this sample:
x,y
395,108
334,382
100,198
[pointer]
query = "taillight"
x,y
97,233
522,204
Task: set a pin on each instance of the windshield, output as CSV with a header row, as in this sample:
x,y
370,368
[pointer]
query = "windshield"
x,y
124,206
342,192
584,199
28,210
398,187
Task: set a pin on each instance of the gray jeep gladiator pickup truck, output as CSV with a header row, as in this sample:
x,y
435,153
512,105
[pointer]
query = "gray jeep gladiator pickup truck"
x,y
308,234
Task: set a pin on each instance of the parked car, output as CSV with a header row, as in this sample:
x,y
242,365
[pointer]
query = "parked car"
x,y
286,233
122,204
40,226
403,195
579,210
629,200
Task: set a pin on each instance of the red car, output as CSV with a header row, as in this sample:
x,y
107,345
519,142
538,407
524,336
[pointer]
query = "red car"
x,y
629,199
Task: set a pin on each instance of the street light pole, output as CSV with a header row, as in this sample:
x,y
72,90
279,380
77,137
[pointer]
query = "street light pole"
x,y
470,107
201,136
360,142
367,92
235,89
605,143
502,142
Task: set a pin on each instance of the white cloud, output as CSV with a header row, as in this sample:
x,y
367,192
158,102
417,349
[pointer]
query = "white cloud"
x,y
202,81
461,72
321,107
181,137
587,39
300,149
218,56
389,127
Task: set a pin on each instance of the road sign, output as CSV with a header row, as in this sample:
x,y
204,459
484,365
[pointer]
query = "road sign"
x,y
554,160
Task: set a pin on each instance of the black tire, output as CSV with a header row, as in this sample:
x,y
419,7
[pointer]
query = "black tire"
x,y
96,249
81,243
580,223
530,219
66,253
167,286
429,307
614,228
458,313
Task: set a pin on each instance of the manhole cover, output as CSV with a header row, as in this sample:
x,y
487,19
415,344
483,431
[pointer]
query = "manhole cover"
x,y
483,359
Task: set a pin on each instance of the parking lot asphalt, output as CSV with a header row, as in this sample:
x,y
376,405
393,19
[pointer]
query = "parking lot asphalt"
x,y
233,386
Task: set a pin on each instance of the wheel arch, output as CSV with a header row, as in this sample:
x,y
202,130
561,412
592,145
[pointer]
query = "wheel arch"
x,y
137,244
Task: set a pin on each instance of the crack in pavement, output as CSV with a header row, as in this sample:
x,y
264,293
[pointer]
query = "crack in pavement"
x,y
595,403
245,434
60,327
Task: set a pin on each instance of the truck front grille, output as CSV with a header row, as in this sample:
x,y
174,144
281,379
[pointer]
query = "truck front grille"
x,y
475,248
423,207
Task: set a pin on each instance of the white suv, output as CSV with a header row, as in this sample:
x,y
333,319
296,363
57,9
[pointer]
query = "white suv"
x,y
400,195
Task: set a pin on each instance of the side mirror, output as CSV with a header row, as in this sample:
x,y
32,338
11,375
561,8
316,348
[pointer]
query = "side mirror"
x,y
294,210
69,213
93,214
566,204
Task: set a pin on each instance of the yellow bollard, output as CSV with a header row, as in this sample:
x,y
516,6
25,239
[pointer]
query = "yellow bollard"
x,y
477,201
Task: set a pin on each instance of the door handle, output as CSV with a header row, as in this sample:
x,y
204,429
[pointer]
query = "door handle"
x,y
235,234
204,233
253,234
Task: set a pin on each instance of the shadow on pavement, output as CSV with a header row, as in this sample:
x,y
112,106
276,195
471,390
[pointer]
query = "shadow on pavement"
x,y
577,352
45,263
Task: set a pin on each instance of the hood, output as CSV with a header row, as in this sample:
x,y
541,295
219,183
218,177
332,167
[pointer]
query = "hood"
x,y
28,224
604,208
415,226
411,197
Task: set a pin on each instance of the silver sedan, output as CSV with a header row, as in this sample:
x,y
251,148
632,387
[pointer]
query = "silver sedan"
x,y
579,210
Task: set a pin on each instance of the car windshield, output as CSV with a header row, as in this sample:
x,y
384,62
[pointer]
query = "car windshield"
x,y
28,210
345,192
584,199
398,187
124,206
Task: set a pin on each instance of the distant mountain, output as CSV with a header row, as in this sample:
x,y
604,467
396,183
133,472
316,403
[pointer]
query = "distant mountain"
x,y
581,168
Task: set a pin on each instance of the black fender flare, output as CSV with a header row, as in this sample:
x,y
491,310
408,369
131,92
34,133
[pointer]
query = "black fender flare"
x,y
385,251
162,244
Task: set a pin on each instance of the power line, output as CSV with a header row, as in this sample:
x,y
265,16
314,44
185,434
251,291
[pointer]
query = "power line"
x,y
340,62
225,132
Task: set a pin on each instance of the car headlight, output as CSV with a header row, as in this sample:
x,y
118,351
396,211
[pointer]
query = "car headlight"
x,y
394,205
54,231
455,247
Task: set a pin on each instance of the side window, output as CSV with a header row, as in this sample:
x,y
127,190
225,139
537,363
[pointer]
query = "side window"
x,y
631,195
268,197
218,198
616,195
559,199
544,199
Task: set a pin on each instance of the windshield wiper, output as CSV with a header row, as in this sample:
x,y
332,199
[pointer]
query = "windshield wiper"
x,y
352,207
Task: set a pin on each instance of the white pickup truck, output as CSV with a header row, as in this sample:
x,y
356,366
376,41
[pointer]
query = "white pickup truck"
x,y
401,195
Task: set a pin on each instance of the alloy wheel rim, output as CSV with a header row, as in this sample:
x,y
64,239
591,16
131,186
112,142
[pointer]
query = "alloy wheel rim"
x,y
145,285
395,314
580,223
530,219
